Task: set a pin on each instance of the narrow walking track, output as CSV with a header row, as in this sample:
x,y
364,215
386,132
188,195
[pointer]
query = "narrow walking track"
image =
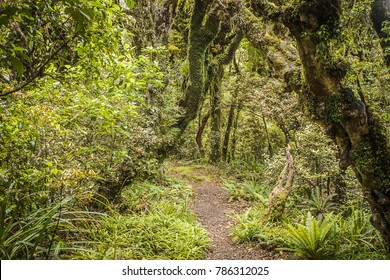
x,y
214,210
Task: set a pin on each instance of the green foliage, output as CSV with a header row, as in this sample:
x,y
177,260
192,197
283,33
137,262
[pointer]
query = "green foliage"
x,y
249,227
348,235
315,239
359,238
95,114
141,197
33,33
29,237
247,190
77,133
245,170
86,130
167,231
319,204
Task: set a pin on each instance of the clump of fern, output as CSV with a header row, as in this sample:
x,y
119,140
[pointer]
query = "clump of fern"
x,y
320,204
316,239
249,227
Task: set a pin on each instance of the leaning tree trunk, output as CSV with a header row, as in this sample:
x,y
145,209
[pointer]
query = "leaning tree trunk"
x,y
278,197
380,13
348,120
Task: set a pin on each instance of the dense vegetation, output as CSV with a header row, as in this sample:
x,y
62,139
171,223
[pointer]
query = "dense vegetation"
x,y
289,99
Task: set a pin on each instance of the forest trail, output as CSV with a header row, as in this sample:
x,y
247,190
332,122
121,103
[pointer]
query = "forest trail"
x,y
214,211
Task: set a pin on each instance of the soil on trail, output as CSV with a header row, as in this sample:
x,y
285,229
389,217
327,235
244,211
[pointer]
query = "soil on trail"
x,y
214,210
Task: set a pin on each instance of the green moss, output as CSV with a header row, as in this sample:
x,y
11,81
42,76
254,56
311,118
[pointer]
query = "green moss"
x,y
363,156
334,108
194,172
314,105
277,207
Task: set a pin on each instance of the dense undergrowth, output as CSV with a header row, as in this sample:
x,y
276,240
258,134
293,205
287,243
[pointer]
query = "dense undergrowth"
x,y
314,225
91,94
79,169
150,221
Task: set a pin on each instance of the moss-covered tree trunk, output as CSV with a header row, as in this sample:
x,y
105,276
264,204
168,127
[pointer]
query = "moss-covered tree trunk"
x,y
229,126
346,117
278,197
233,146
380,13
228,43
216,114
204,27
199,134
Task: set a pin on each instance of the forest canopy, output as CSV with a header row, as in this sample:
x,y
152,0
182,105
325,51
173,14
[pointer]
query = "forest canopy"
x,y
111,109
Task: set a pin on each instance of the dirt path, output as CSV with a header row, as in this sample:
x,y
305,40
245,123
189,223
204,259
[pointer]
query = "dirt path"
x,y
214,210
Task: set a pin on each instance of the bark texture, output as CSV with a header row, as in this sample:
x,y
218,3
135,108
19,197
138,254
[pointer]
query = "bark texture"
x,y
347,119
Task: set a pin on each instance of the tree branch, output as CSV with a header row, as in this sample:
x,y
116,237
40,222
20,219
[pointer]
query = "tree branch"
x,y
233,46
40,69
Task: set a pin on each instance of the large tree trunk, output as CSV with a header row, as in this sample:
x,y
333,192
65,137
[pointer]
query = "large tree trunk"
x,y
347,119
380,13
278,197
200,38
215,75
204,28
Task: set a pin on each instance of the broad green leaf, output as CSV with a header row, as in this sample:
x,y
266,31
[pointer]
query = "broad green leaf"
x,y
18,49
17,65
96,4
130,3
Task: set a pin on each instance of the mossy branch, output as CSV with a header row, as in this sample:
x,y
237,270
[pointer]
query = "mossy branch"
x,y
228,55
